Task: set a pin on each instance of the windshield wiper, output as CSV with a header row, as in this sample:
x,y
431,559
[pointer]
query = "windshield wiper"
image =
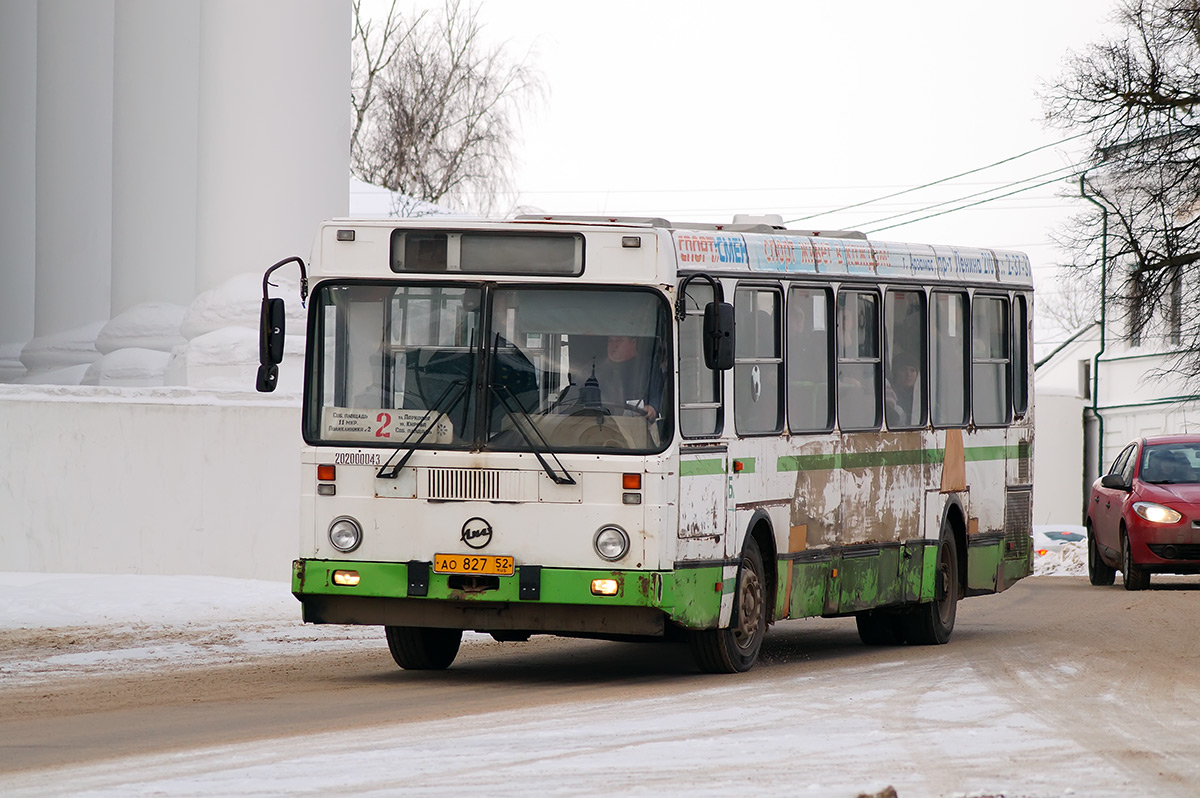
x,y
389,471
565,477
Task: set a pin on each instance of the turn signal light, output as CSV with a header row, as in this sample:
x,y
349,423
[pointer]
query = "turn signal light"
x,y
631,481
327,473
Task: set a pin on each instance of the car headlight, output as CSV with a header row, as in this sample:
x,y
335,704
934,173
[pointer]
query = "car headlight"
x,y
1156,513
611,542
345,534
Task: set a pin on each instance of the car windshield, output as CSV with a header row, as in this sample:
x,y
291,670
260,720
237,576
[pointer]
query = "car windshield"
x,y
553,368
1171,463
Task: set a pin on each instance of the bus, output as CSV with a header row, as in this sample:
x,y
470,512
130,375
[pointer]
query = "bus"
x,y
628,429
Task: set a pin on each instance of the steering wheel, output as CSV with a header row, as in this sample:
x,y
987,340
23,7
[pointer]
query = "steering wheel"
x,y
604,409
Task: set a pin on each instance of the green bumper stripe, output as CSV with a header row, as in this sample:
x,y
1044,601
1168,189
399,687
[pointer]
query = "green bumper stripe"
x,y
690,596
558,585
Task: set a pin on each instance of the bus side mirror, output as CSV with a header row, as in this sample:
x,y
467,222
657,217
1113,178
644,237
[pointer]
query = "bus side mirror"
x,y
718,336
270,344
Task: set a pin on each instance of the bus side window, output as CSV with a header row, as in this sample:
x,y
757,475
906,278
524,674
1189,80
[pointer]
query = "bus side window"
x,y
1020,356
989,356
948,360
700,409
904,368
758,361
858,360
809,405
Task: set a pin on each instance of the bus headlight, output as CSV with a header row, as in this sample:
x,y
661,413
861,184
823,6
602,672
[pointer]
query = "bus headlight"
x,y
611,542
345,534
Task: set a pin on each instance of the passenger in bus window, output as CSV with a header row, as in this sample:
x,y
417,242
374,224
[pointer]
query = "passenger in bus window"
x,y
901,394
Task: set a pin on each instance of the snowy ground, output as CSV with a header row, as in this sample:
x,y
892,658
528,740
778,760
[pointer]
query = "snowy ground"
x,y
870,714
144,623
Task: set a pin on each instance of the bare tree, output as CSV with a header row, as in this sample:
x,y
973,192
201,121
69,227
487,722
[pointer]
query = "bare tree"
x,y
1135,95
375,48
437,109
1071,302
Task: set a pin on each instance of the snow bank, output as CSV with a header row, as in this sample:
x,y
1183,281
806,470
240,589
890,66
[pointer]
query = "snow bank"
x,y
1070,560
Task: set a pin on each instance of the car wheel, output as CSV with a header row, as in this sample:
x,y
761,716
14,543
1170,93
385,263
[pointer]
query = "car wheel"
x,y
1100,573
1133,578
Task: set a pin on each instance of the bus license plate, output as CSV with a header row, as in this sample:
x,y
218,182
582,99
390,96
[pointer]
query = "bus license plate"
x,y
469,564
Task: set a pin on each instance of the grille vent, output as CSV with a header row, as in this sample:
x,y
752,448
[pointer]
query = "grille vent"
x,y
1018,517
1023,457
478,484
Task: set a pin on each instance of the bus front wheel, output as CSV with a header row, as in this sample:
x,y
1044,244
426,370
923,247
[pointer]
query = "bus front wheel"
x,y
735,650
417,648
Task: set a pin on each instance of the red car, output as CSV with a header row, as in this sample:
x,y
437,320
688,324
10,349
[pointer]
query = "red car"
x,y
1143,516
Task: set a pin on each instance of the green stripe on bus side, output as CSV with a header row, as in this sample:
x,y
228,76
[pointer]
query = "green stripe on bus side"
x,y
990,453
699,468
901,457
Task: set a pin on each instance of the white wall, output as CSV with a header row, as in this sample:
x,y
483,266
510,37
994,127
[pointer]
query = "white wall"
x,y
154,481
1058,459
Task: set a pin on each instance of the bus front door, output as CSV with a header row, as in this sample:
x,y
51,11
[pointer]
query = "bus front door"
x,y
703,503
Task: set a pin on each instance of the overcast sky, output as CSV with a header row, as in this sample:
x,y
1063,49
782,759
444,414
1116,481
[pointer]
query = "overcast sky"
x,y
698,110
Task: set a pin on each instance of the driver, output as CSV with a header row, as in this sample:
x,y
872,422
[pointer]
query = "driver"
x,y
624,378
1172,468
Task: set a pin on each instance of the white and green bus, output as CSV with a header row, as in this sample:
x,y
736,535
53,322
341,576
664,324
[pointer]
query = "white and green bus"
x,y
631,429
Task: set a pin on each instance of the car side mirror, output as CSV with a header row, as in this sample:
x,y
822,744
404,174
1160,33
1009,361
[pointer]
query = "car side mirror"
x,y
718,336
1113,481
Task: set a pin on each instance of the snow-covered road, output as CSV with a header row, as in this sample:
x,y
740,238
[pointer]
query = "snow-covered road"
x,y
967,719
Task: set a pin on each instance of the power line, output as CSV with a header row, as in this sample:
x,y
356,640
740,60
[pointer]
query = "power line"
x,y
976,194
973,204
937,182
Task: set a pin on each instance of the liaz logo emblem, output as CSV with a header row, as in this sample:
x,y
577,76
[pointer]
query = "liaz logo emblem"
x,y
476,533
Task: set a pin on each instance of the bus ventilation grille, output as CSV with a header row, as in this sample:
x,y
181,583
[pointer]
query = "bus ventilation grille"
x,y
477,484
1024,452
1018,527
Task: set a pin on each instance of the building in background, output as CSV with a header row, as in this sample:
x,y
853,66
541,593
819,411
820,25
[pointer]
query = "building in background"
x,y
155,158
1090,403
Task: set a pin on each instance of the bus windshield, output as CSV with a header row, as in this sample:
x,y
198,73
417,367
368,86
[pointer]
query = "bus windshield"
x,y
502,368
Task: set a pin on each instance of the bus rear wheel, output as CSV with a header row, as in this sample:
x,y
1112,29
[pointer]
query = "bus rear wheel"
x,y
931,623
880,628
735,650
417,648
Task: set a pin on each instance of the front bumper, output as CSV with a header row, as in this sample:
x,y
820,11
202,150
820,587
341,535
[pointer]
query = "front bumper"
x,y
533,599
1166,549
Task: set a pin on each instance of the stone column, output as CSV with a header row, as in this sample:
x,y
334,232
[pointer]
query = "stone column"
x,y
273,162
156,81
18,94
73,186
